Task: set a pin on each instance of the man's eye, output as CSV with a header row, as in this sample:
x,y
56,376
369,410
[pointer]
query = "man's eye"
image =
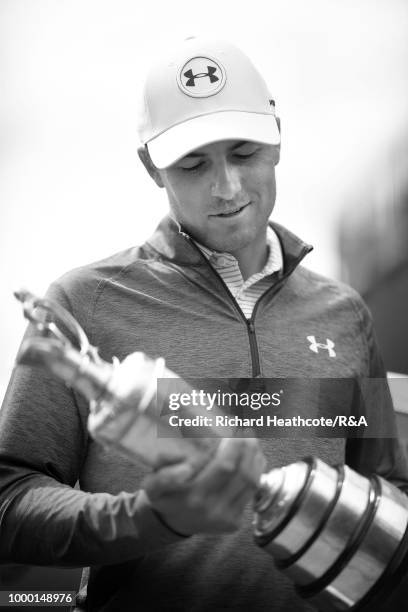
x,y
192,168
245,154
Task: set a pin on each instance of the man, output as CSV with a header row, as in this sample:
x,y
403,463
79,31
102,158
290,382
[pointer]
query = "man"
x,y
218,292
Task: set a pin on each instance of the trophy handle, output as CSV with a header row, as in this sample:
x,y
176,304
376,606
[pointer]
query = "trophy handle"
x,y
47,316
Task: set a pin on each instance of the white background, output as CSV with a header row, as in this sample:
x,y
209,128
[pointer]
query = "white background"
x,y
71,187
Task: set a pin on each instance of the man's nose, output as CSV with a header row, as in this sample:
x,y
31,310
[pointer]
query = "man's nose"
x,y
226,182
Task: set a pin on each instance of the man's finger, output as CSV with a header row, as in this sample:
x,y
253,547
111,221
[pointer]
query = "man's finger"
x,y
252,463
168,479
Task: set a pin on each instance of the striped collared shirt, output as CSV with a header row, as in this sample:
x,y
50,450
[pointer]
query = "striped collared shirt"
x,y
246,292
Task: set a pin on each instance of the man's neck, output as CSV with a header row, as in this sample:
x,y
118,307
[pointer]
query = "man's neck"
x,y
252,258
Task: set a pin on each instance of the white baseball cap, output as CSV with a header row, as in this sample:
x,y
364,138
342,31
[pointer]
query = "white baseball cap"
x,y
204,91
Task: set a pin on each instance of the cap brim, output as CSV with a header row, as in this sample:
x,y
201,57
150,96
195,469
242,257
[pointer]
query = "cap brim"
x,y
181,139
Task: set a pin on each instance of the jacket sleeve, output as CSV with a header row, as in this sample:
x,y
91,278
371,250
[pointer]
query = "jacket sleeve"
x,y
43,519
381,451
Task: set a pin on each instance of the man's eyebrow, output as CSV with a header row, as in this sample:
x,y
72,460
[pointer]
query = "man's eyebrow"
x,y
241,143
198,153
192,154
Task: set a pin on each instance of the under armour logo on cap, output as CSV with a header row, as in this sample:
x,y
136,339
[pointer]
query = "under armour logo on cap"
x,y
201,77
192,77
315,346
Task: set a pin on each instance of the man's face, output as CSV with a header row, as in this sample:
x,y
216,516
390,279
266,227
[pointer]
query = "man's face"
x,y
223,193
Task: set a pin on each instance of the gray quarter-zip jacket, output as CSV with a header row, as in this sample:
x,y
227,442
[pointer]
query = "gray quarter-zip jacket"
x,y
165,299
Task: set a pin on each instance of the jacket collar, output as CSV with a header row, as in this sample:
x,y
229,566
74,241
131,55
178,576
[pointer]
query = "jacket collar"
x,y
171,242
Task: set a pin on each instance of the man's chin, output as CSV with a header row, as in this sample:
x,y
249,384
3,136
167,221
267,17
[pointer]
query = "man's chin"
x,y
229,242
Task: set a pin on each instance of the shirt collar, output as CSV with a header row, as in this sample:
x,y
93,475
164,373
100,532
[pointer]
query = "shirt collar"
x,y
274,262
172,242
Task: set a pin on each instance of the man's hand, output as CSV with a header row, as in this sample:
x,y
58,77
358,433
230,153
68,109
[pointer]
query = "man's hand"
x,y
211,501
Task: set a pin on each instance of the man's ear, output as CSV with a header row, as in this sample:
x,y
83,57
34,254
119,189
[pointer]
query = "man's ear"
x,y
149,165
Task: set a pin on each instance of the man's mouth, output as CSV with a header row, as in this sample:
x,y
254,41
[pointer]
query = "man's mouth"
x,y
232,213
